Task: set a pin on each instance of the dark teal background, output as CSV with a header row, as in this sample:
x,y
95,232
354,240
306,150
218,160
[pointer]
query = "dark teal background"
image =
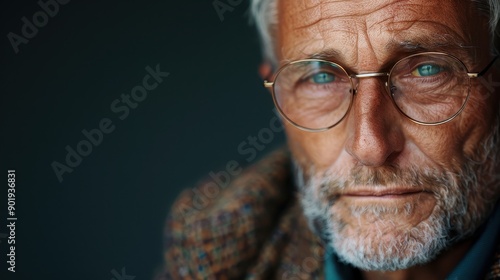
x,y
108,214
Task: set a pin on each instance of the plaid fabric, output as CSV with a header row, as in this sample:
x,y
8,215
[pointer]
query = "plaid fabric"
x,y
494,272
252,229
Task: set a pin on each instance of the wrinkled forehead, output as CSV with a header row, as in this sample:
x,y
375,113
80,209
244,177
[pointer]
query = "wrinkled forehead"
x,y
347,29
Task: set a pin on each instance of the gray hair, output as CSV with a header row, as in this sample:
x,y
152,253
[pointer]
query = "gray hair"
x,y
265,15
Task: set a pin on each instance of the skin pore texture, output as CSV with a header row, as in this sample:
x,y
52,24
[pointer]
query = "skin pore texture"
x,y
396,199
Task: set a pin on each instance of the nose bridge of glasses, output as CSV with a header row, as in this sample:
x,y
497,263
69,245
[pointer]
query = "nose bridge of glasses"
x,y
367,75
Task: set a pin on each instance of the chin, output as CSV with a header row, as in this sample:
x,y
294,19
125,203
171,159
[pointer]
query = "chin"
x,y
385,241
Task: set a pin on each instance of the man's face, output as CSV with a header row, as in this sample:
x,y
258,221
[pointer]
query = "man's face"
x,y
388,193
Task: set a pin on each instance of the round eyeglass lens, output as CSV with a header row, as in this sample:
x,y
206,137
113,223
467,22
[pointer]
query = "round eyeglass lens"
x,y
429,88
313,94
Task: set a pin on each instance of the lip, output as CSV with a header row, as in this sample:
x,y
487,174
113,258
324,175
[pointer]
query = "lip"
x,y
393,192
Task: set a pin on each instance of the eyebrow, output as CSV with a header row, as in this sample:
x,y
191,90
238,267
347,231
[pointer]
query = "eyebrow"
x,y
430,43
326,54
416,45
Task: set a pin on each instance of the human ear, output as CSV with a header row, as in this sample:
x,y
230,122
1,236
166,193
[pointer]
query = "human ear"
x,y
265,70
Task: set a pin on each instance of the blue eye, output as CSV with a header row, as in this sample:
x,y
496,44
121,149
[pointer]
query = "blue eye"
x,y
323,78
427,70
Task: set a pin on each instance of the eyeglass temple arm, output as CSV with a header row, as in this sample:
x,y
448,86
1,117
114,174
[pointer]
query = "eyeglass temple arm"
x,y
268,84
475,75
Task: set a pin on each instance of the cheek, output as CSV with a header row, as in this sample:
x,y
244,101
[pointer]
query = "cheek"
x,y
438,144
320,149
478,118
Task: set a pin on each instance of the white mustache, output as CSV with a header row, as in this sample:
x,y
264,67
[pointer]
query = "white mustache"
x,y
382,181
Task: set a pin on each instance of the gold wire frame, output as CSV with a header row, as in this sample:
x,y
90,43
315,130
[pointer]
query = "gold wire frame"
x,y
470,75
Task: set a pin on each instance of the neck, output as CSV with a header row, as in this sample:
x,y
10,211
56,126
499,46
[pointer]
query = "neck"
x,y
437,269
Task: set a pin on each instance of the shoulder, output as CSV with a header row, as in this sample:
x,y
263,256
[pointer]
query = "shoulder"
x,y
494,271
217,228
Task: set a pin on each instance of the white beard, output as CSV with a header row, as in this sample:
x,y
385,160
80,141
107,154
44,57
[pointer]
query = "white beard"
x,y
464,199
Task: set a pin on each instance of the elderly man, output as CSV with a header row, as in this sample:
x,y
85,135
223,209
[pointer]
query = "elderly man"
x,y
390,172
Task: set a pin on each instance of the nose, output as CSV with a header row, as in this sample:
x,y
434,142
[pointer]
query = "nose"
x,y
375,136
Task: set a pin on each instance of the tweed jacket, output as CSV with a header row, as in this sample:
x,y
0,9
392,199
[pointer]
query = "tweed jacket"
x,y
253,228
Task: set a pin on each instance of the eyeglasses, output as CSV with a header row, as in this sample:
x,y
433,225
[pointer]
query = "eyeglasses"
x,y
429,88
